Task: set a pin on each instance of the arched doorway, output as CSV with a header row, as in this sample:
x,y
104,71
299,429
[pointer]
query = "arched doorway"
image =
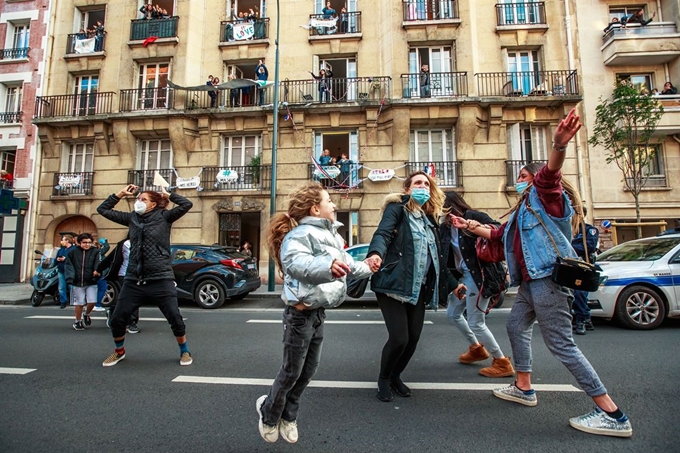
x,y
75,226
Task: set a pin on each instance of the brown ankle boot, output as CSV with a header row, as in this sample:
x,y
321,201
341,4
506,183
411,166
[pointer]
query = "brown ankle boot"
x,y
499,368
475,353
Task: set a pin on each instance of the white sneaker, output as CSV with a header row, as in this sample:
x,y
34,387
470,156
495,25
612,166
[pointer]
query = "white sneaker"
x,y
99,309
268,432
598,422
288,431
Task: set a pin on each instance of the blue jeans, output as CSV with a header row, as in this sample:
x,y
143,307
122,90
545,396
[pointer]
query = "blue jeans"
x,y
580,306
302,340
63,289
101,291
548,303
474,329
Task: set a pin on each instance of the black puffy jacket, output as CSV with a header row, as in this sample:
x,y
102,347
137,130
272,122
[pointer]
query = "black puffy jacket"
x,y
80,265
149,237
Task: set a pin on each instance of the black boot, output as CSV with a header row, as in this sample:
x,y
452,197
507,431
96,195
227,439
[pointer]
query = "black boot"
x,y
384,392
398,386
580,328
589,324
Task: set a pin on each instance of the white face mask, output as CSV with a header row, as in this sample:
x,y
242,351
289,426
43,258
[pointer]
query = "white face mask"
x,y
140,207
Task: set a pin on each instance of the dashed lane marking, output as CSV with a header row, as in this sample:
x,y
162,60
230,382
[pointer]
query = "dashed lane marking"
x,y
94,318
460,386
16,370
274,321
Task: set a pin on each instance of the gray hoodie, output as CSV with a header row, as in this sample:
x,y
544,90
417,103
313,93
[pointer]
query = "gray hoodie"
x,y
307,253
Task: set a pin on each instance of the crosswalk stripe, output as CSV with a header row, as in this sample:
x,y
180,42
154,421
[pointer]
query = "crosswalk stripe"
x,y
94,318
370,385
16,370
274,321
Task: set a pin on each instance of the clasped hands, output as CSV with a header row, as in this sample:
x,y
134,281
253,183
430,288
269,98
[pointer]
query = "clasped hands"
x,y
465,224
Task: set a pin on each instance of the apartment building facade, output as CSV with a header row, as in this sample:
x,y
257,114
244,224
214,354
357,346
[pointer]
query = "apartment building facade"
x,y
23,34
133,103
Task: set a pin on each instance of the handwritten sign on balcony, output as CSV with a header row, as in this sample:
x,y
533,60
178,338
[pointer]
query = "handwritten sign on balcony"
x,y
381,174
227,176
330,171
243,31
69,181
188,183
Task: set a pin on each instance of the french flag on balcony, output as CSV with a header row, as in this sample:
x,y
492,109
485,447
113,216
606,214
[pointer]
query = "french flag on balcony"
x,y
429,170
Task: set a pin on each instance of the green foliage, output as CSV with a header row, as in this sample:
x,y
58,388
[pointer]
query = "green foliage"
x,y
255,168
624,127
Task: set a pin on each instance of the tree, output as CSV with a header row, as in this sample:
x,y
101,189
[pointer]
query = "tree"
x,y
624,126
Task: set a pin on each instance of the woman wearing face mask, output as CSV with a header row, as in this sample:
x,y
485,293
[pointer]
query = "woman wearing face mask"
x,y
530,255
149,274
406,249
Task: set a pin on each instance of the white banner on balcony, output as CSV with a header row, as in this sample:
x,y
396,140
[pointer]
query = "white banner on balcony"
x,y
243,31
84,45
381,174
159,180
188,183
226,176
316,23
69,181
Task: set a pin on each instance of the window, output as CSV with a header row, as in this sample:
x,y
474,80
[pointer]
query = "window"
x,y
87,19
21,35
619,12
238,151
520,12
526,143
236,6
12,98
440,64
655,169
168,5
432,145
80,158
154,155
7,159
85,90
524,67
230,229
639,81
152,84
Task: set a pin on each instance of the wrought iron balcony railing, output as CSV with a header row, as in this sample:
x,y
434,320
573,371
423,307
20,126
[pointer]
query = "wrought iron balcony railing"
x,y
429,10
338,177
527,83
78,183
513,167
13,54
6,183
221,99
144,178
520,13
241,31
10,117
142,29
248,177
77,44
440,84
73,105
338,24
146,99
447,174
335,90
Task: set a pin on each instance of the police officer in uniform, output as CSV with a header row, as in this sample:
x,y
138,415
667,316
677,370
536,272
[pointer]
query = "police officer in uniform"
x,y
580,306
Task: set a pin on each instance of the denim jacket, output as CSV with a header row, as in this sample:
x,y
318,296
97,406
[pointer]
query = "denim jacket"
x,y
539,252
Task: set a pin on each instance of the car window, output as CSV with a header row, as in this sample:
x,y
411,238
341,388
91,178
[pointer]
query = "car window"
x,y
358,253
183,254
644,250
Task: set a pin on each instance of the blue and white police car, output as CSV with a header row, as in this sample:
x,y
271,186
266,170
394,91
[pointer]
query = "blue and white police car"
x,y
640,284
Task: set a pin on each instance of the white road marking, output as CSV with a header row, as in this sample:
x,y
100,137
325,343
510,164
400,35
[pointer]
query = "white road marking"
x,y
94,318
16,370
370,385
275,321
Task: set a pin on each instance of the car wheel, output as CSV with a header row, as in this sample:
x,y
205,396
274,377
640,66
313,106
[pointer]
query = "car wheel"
x,y
640,307
37,298
111,294
239,296
209,294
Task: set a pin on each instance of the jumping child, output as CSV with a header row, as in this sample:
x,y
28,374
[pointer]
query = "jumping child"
x,y
309,253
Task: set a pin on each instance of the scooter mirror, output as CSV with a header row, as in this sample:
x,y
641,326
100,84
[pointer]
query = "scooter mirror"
x,y
38,252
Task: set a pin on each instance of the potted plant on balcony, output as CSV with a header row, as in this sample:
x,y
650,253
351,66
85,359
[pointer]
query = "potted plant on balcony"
x,y
255,168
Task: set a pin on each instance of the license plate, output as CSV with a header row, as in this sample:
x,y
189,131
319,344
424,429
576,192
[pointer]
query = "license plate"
x,y
251,266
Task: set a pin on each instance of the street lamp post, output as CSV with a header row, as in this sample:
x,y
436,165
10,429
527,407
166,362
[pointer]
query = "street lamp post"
x,y
275,140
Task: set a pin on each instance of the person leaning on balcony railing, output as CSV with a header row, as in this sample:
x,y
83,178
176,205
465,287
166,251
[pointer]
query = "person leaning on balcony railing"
x,y
615,23
638,17
147,11
669,89
6,178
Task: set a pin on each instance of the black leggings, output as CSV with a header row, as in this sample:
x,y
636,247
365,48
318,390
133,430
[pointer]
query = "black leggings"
x,y
161,292
404,323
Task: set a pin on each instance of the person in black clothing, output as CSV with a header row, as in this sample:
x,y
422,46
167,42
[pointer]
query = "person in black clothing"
x,y
113,268
81,273
149,277
582,320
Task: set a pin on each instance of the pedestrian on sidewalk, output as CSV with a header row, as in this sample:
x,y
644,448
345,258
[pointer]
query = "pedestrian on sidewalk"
x,y
114,267
81,275
545,208
66,244
102,284
407,250
460,254
308,250
149,276
582,321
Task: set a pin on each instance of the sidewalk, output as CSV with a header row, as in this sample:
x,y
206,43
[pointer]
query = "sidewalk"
x,y
16,293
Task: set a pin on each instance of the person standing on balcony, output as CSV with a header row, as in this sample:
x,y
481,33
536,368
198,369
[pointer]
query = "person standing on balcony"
x,y
149,276
345,165
6,179
669,89
424,81
233,93
213,93
99,33
328,13
261,74
344,24
147,11
324,79
638,17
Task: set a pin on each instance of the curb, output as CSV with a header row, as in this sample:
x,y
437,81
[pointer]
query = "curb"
x,y
16,302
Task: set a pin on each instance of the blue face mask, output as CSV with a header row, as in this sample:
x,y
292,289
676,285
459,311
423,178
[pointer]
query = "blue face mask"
x,y
520,187
420,195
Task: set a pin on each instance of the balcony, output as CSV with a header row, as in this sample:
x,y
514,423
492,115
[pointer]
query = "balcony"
x,y
520,15
513,167
10,117
250,177
144,178
240,32
70,105
657,43
6,184
141,29
670,120
336,90
228,99
77,45
432,10
342,24
146,99
337,177
18,53
529,85
69,184
442,84
447,174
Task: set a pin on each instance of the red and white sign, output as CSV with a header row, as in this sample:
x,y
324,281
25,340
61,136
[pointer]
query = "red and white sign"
x,y
381,174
